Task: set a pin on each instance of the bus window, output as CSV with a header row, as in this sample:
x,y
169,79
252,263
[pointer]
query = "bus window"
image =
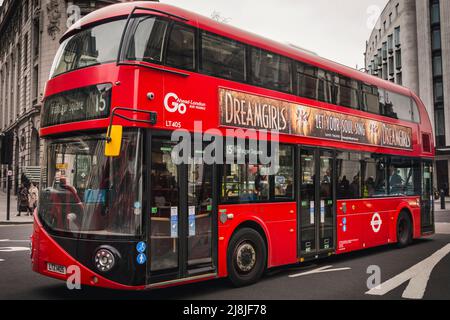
x,y
222,57
245,183
307,81
96,45
271,70
403,179
373,176
348,93
146,43
415,111
284,184
181,48
370,99
401,106
349,175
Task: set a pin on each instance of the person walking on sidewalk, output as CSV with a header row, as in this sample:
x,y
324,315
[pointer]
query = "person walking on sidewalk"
x,y
23,201
33,197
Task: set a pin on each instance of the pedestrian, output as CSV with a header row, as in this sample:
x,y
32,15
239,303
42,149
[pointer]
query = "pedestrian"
x,y
33,197
22,198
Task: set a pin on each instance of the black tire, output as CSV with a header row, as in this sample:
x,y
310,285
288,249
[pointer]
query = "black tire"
x,y
246,257
404,230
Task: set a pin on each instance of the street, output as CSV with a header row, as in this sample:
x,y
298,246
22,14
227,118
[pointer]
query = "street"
x,y
336,278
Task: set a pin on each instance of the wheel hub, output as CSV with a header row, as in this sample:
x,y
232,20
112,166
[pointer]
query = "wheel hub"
x,y
245,257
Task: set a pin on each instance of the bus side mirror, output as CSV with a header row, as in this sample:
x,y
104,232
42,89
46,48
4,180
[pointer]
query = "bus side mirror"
x,y
113,141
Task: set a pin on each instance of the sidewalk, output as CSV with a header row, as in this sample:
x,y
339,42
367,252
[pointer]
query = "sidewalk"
x,y
437,205
23,219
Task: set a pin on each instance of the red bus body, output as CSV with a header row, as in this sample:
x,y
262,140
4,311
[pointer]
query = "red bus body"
x,y
277,221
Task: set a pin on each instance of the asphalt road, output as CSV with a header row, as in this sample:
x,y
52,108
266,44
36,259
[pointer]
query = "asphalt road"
x,y
345,277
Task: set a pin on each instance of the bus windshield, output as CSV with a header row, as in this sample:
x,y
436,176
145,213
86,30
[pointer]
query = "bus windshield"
x,y
85,193
96,45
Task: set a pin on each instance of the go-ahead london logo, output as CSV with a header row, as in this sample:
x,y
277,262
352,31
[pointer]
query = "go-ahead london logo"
x,y
173,104
376,222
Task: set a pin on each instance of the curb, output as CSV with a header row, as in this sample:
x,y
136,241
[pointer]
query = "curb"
x,y
12,223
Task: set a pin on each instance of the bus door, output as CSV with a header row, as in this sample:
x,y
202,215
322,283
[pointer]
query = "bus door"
x,y
427,207
181,223
316,213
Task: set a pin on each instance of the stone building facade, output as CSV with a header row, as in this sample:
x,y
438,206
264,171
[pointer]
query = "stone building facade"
x,y
29,38
410,45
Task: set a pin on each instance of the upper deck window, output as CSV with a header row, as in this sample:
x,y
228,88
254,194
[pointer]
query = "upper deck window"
x,y
223,57
271,70
181,48
96,45
147,40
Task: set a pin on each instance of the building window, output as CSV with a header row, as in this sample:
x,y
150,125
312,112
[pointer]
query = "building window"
x,y
397,36
390,43
391,66
398,59
385,71
397,10
25,51
437,65
384,50
435,12
399,79
439,118
438,91
436,39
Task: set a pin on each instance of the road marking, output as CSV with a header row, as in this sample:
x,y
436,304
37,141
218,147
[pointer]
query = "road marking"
x,y
8,240
319,270
13,249
417,276
442,228
1,260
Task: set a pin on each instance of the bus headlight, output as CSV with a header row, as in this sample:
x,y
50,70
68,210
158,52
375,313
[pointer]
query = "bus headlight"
x,y
105,259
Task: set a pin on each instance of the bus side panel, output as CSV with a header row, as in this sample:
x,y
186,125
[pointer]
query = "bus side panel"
x,y
279,223
368,223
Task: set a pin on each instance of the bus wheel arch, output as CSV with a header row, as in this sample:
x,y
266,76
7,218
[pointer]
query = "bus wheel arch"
x,y
247,254
404,228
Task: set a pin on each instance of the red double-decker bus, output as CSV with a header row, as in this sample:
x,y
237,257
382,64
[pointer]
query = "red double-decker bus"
x,y
354,152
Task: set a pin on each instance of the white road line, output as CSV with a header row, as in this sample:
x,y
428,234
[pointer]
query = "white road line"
x,y
417,276
1,260
319,270
8,240
13,249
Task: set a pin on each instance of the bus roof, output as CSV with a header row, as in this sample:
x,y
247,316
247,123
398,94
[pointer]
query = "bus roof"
x,y
205,23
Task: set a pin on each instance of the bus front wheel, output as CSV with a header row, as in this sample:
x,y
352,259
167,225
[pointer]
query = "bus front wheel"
x,y
246,258
404,230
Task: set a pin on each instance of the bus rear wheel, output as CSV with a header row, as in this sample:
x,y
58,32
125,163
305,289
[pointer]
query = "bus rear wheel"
x,y
404,230
246,258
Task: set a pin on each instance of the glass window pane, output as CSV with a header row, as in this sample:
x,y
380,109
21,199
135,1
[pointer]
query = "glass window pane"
x,y
99,44
436,39
164,206
284,178
403,177
223,57
398,106
373,176
437,66
181,48
271,70
349,175
146,43
200,190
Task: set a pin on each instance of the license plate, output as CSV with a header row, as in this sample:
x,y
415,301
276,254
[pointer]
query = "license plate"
x,y
56,268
